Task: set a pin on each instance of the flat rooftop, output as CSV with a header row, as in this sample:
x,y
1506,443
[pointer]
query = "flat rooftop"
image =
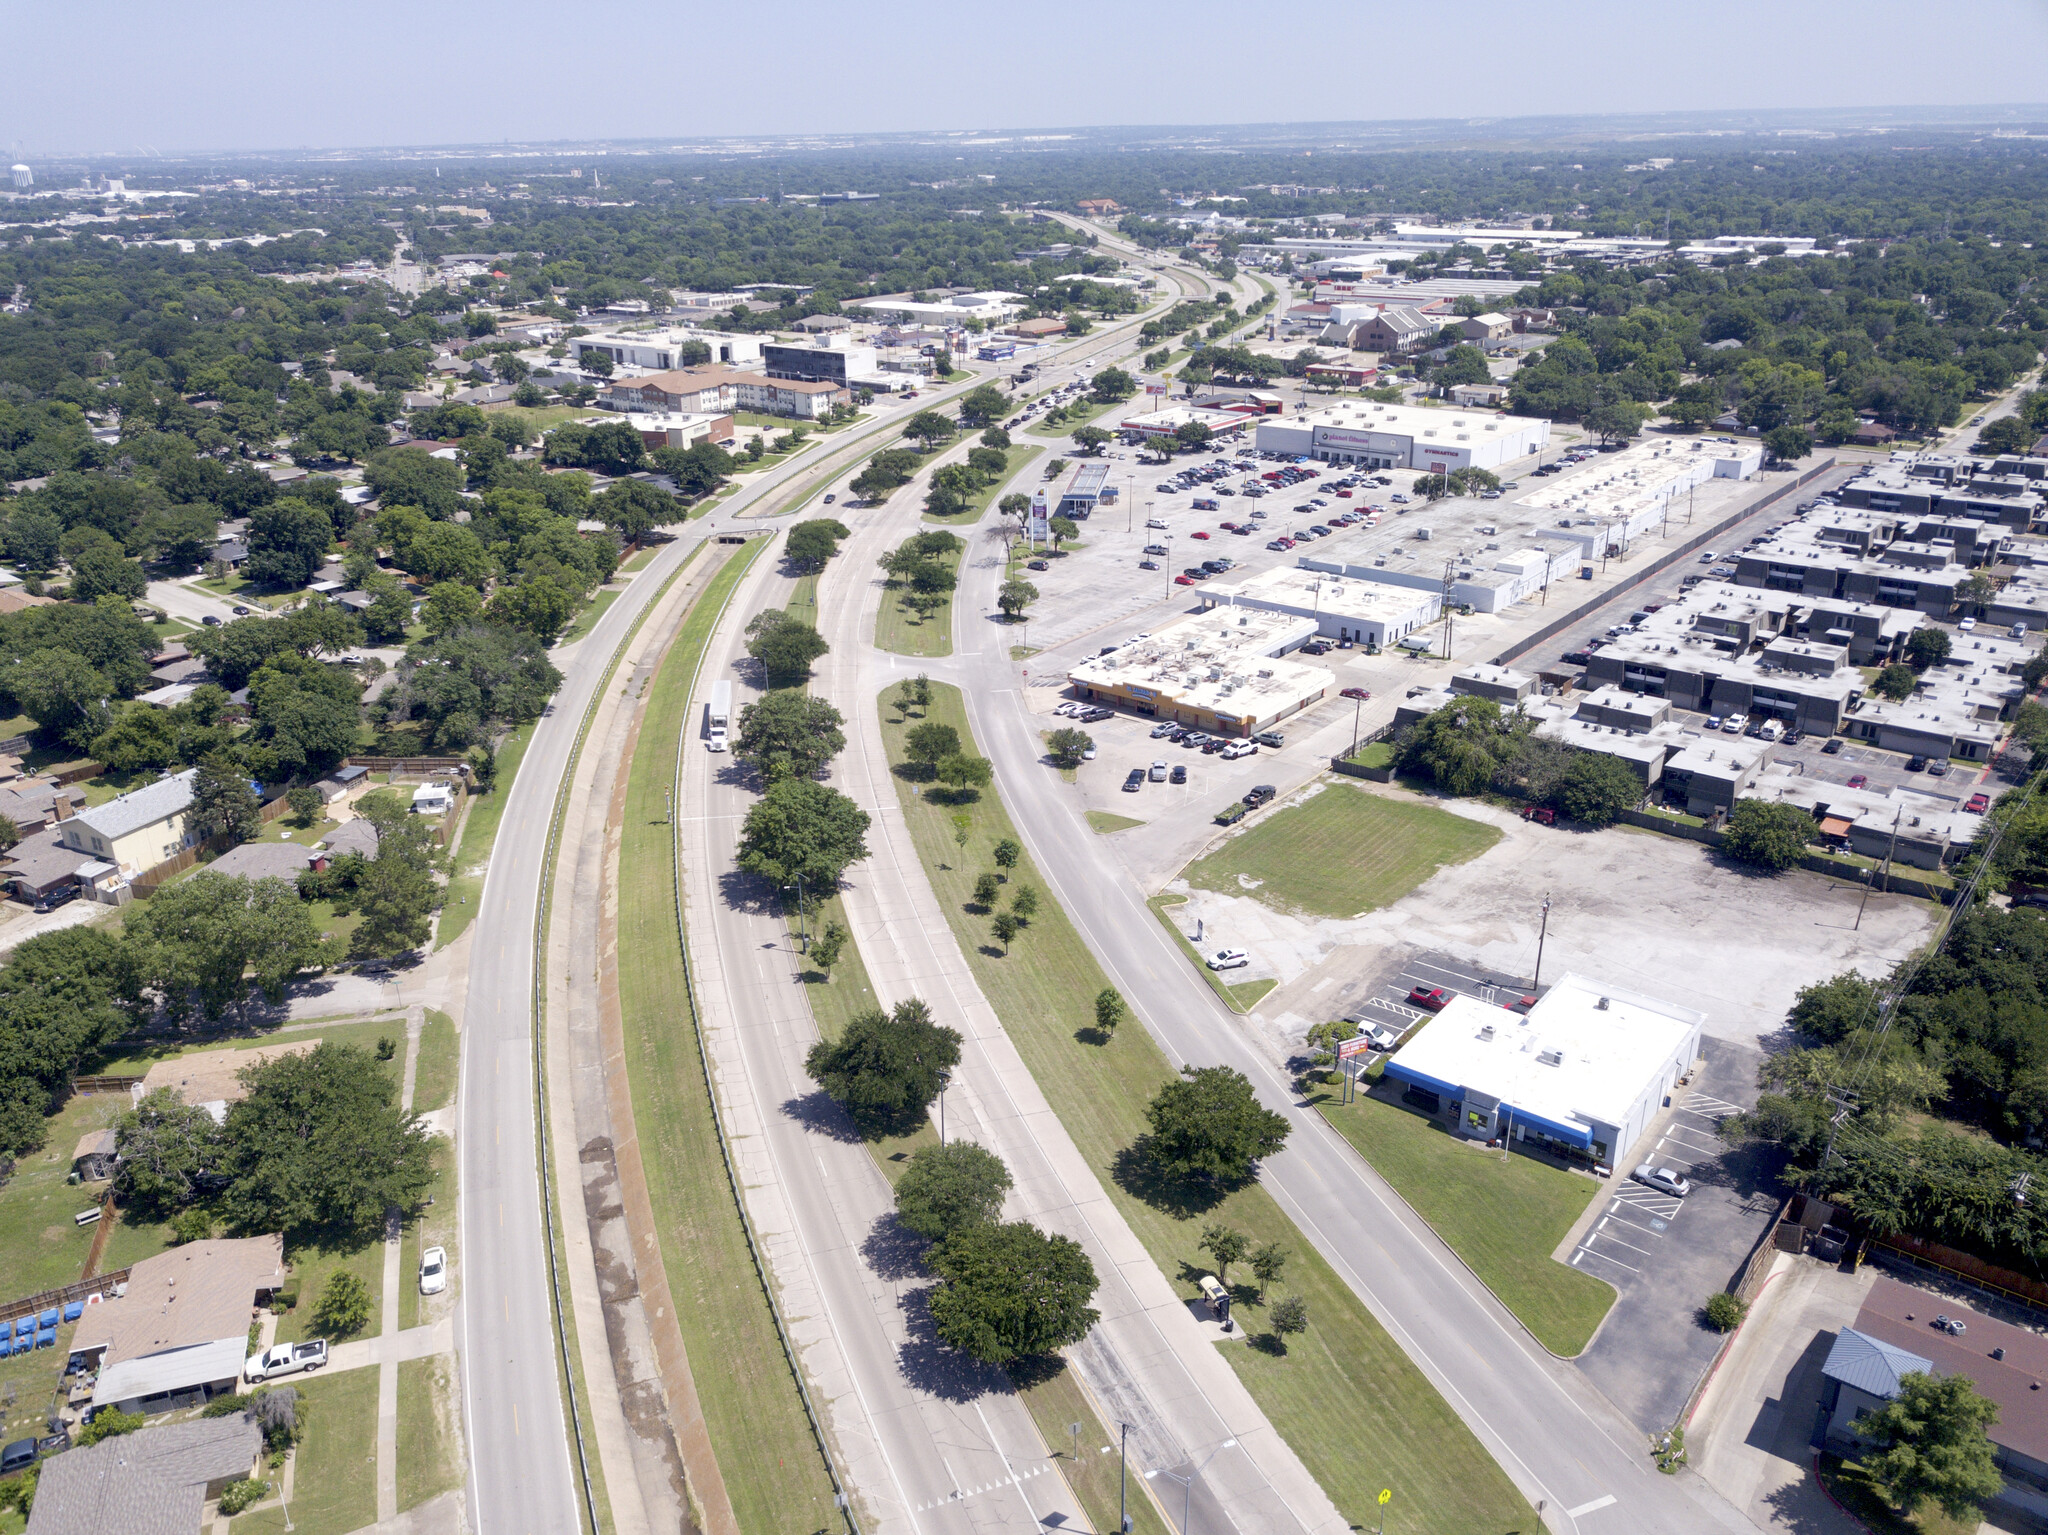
x,y
1581,1054
1613,484
1217,659
1340,596
1405,420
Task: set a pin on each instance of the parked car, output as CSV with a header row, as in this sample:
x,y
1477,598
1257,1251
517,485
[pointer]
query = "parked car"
x,y
1735,724
1148,564
1833,748
1134,780
243,612
1978,804
1665,1180
1155,549
1938,767
1229,959
1858,780
1036,565
433,1271
1155,522
1916,763
1179,773
285,1359
1199,533
1237,749
1272,738
1429,998
1358,693
18,1456
1316,648
1159,772
1163,728
1258,794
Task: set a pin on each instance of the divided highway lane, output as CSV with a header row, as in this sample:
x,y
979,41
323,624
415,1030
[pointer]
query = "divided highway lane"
x,y
1561,1444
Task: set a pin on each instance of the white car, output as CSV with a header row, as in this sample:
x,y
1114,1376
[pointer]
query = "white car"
x,y
1155,522
1735,724
433,1271
1966,624
1228,959
1238,749
1665,1180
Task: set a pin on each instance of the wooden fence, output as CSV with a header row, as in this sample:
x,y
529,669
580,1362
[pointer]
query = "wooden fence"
x,y
153,879
1964,1266
410,766
30,1305
89,1085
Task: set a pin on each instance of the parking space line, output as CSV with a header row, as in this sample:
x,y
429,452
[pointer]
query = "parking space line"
x,y
1681,1131
1617,1241
1588,1252
1593,1507
1645,1230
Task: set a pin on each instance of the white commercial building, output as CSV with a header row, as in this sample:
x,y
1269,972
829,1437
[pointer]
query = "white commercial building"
x,y
1376,436
1218,671
991,307
1167,422
1341,604
1486,582
1582,1072
662,350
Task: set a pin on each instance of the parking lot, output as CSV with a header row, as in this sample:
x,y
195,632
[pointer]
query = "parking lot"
x,y
1384,999
1667,1255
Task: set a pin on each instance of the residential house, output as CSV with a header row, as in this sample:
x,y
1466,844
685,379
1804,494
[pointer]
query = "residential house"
x,y
212,1079
156,1481
138,830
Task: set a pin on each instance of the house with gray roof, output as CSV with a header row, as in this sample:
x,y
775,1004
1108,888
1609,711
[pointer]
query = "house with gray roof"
x,y
156,1481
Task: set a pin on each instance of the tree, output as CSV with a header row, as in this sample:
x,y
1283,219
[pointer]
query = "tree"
x,y
306,803
964,773
210,934
785,646
697,470
450,605
1024,903
1464,364
1063,530
1009,1292
789,734
288,539
995,437
811,544
103,571
1110,1009
320,1148
1597,789
633,509
982,405
1006,925
1111,385
801,828
344,1305
397,897
141,738
1933,1446
1016,595
928,427
223,804
1269,1262
930,744
63,693
1767,835
1616,421
828,945
949,1188
1926,647
1288,1317
1895,682
109,1423
1090,440
164,1145
1006,854
539,606
1788,442
985,888
1209,1124
1226,1246
885,1069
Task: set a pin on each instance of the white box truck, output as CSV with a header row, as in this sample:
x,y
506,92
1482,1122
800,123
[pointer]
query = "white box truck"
x,y
719,721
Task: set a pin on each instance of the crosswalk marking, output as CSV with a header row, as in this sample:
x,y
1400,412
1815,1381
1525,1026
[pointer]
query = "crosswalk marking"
x,y
958,1496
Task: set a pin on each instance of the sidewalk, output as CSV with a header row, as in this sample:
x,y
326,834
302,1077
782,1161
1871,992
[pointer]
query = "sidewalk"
x,y
1148,1360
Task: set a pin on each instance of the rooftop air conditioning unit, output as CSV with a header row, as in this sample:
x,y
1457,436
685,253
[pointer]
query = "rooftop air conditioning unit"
x,y
1550,1058
1487,1032
1603,1004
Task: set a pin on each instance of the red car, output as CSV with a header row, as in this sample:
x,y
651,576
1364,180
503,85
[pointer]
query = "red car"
x,y
1979,803
1199,533
1430,997
1184,581
1344,493
1858,781
1228,527
1354,693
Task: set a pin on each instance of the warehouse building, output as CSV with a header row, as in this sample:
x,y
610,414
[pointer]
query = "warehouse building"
x,y
663,350
1375,436
1581,1074
1340,605
1219,671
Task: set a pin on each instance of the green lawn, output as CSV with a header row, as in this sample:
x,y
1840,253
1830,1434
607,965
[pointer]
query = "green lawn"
x,y
1341,853
1105,821
803,599
41,1248
1504,1217
433,1080
776,1482
428,1464
587,619
435,1227
1374,754
479,832
1343,1395
978,503
543,418
313,1266
1060,1402
638,562
846,990
334,1484
34,1378
902,632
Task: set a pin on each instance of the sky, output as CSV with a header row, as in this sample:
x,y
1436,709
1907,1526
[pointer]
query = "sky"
x,y
121,77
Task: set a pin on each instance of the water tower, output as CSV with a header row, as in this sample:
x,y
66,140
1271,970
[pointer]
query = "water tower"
x,y
24,178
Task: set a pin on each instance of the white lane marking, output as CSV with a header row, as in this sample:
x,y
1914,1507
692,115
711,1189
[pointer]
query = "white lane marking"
x,y
1590,1253
1617,1241
1009,1481
1593,1507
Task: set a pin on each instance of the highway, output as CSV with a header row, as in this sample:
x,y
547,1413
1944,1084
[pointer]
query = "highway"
x,y
522,1472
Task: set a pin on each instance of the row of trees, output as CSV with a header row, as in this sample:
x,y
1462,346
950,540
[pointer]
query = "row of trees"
x,y
1472,746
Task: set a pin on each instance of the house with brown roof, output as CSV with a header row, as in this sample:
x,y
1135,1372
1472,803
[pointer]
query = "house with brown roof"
x,y
93,1157
213,1076
177,1334
156,1481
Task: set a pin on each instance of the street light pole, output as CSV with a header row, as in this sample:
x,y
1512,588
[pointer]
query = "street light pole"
x,y
945,1077
1123,1518
1542,933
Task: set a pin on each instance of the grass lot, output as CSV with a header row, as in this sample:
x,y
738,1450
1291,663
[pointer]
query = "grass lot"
x,y
587,619
428,1462
435,1227
1374,754
334,1484
132,1060
978,503
433,1080
1344,1395
1341,853
313,1267
34,1378
542,418
479,832
40,1247
1503,1217
902,632
638,562
1104,821
803,600
758,1431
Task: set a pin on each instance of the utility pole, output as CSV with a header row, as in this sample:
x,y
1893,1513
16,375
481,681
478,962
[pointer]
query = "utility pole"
x,y
1123,1518
945,1077
1357,713
1450,582
1541,934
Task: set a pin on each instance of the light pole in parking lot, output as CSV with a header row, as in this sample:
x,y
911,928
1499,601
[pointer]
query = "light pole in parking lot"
x,y
1541,934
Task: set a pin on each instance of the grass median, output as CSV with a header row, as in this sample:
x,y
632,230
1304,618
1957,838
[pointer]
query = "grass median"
x,y
1351,1404
1014,461
901,632
1503,1216
751,1406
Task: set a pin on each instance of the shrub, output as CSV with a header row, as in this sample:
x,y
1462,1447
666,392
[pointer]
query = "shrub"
x,y
344,1305
1767,835
240,1495
107,1423
1724,1312
190,1226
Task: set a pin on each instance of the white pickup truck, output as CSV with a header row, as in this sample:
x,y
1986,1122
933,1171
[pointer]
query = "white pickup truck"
x,y
285,1359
